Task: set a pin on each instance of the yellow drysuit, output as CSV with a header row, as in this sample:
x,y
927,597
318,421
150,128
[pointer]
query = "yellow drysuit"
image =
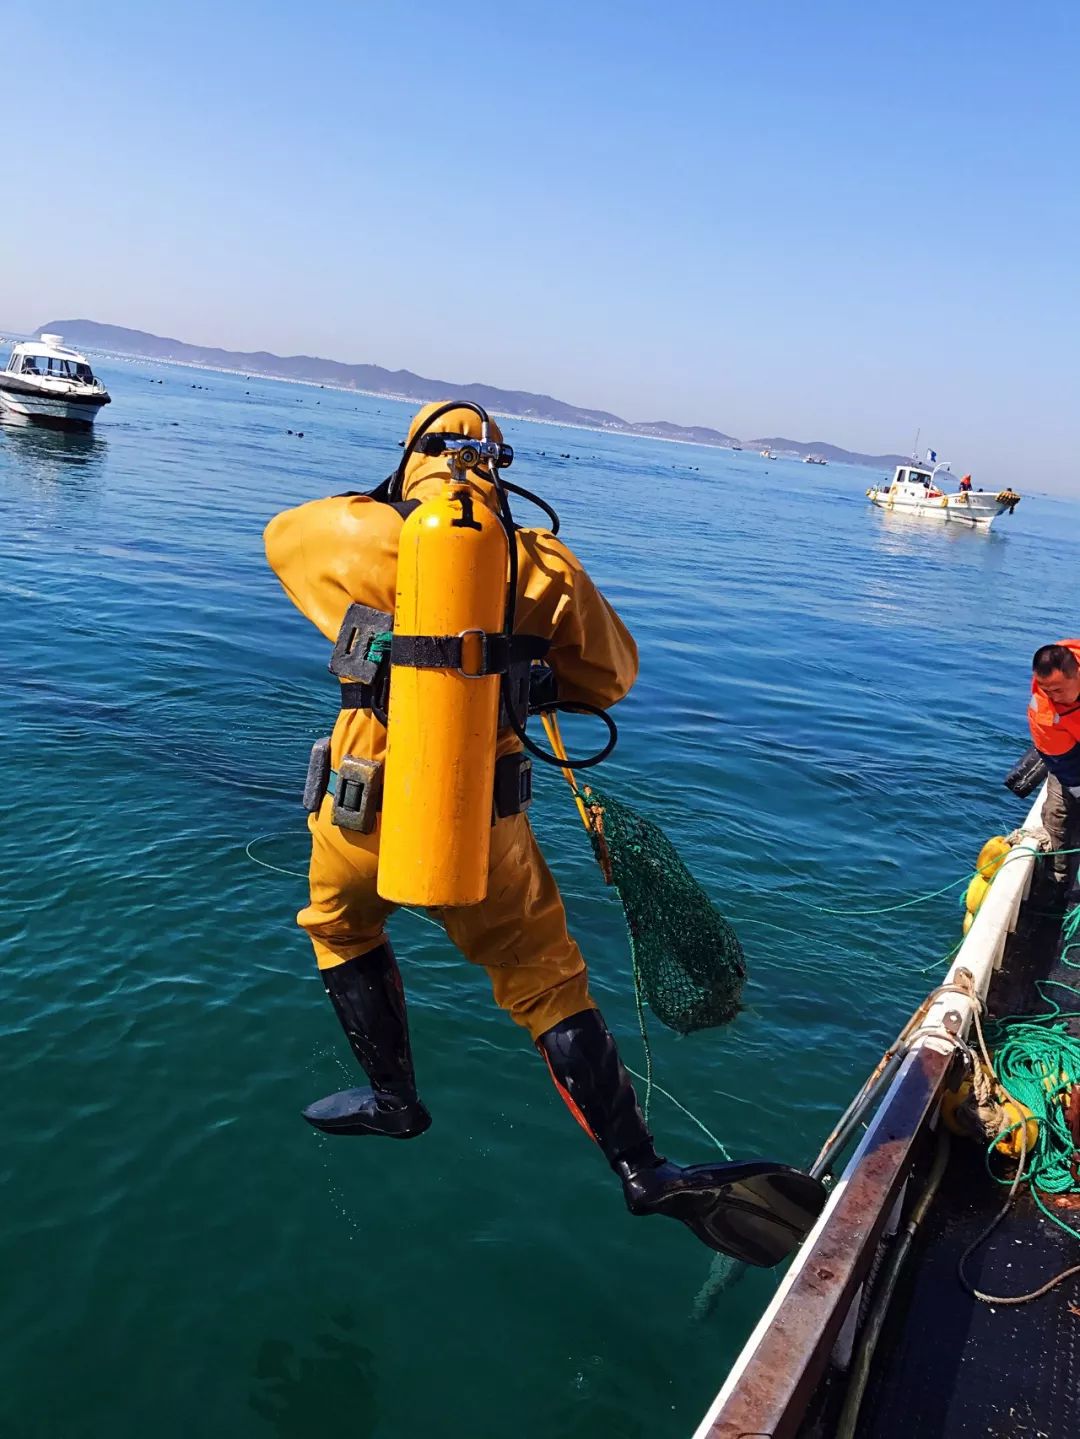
x,y
334,552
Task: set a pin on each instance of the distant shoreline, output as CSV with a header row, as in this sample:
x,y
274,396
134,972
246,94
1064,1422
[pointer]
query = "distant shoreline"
x,y
405,386
400,399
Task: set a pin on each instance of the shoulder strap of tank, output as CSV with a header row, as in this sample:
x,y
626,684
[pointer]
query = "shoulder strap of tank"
x,y
381,493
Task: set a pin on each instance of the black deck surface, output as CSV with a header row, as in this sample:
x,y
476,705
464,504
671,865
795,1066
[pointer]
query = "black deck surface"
x,y
946,1364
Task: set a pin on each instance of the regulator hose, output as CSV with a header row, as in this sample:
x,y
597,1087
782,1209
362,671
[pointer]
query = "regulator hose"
x,y
541,504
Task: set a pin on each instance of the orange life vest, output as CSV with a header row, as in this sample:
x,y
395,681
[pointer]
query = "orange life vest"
x,y
1056,733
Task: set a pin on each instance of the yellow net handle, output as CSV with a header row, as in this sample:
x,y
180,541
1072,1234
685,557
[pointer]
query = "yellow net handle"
x,y
550,722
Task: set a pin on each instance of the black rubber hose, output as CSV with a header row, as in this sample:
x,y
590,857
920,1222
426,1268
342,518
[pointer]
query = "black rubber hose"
x,y
540,504
568,706
574,707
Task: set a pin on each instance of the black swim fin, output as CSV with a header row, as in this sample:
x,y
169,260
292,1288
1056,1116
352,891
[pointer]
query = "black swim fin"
x,y
754,1210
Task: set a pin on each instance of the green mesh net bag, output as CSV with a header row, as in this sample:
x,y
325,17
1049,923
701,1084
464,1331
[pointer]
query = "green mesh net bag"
x,y
688,962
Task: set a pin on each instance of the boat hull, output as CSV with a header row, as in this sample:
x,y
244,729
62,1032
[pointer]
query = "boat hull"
x,y
63,406
58,412
973,509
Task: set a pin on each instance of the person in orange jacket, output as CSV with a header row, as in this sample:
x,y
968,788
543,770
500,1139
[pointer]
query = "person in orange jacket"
x,y
1054,722
334,553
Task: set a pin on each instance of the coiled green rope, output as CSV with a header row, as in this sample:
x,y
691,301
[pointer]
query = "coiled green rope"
x,y
1037,1062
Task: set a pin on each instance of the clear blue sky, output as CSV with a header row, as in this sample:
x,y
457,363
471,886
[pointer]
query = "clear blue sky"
x,y
826,221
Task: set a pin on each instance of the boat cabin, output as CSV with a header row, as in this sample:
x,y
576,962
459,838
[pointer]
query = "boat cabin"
x,y
912,474
912,479
44,360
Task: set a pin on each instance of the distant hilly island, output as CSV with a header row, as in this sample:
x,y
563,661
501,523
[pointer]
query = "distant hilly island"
x,y
404,385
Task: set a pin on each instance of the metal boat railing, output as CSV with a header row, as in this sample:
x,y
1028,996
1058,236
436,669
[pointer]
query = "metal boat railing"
x,y
62,385
782,1363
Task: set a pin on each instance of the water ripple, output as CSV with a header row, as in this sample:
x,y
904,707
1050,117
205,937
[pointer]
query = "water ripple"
x,y
820,684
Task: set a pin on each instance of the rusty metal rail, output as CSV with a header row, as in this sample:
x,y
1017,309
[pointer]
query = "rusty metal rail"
x,y
789,1349
785,1358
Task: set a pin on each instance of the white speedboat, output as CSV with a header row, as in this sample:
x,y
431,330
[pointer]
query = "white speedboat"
x,y
932,493
47,384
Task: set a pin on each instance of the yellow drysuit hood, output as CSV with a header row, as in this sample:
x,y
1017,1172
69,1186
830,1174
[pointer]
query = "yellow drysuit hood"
x,y
422,470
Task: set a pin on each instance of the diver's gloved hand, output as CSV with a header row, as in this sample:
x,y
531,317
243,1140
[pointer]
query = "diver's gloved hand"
x,y
754,1210
543,687
1027,774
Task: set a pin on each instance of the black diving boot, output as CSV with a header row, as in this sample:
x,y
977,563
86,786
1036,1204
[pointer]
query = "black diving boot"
x,y
368,997
756,1211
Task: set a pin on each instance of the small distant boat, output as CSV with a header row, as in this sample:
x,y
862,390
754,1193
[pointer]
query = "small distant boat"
x,y
47,384
927,492
814,460
736,447
767,455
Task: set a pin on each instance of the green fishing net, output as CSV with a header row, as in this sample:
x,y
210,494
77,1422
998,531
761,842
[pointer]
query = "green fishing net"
x,y
688,961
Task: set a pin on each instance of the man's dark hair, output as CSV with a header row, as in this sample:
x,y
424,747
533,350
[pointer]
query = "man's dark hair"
x,y
1054,657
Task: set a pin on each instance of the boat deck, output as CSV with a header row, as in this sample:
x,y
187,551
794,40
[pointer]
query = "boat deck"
x,y
947,1364
867,1338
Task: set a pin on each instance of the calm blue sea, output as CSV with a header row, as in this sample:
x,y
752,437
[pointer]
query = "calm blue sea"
x,y
828,700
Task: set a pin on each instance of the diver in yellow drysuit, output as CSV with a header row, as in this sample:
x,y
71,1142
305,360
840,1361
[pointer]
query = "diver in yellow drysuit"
x,y
333,553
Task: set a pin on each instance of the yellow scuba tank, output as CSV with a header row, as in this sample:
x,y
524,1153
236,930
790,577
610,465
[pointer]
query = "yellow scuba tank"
x,y
443,717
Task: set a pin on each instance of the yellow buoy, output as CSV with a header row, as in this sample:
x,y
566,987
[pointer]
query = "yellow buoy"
x,y
1012,1142
963,1114
1058,1087
976,893
950,1103
969,920
992,856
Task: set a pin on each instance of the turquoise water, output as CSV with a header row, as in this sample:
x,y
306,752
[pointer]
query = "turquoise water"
x,y
829,697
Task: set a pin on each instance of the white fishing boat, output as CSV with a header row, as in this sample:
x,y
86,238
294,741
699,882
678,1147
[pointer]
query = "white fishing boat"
x,y
932,492
47,384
